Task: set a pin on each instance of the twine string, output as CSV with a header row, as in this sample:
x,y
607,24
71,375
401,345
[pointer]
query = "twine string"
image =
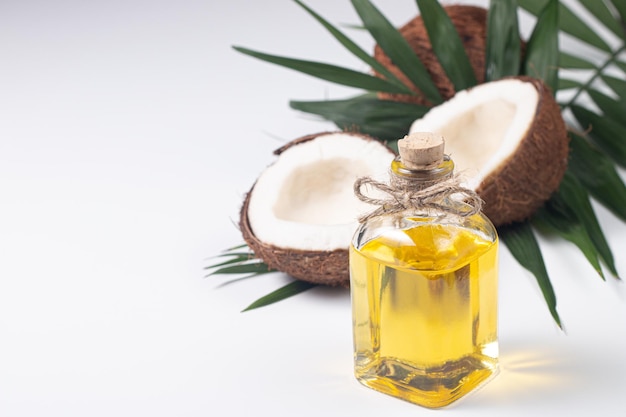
x,y
401,195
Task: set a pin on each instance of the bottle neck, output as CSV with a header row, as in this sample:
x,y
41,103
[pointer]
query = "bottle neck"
x,y
418,179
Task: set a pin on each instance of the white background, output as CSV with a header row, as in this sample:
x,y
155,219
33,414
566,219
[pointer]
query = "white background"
x,y
129,133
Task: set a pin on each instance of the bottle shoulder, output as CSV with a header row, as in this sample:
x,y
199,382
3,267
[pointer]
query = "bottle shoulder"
x,y
420,243
426,230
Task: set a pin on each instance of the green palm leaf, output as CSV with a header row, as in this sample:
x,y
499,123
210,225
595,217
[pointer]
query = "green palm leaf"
x,y
502,57
575,26
618,86
383,119
396,48
569,228
289,290
521,242
250,268
356,50
571,201
568,22
600,10
597,173
447,44
620,6
611,108
574,62
235,260
607,134
565,84
245,263
542,50
328,72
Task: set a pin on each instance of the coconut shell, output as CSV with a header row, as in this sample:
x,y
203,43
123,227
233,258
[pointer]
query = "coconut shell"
x,y
471,24
318,267
526,180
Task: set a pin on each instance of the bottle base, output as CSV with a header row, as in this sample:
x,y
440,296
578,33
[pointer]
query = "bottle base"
x,y
431,387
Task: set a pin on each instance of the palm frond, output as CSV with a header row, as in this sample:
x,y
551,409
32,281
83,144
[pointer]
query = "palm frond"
x,y
591,171
328,72
606,133
595,100
384,119
571,215
397,48
520,239
597,173
447,44
568,22
620,6
289,290
356,50
245,263
542,50
502,57
604,15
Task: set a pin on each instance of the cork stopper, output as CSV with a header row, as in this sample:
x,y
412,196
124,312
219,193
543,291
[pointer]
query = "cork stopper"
x,y
421,150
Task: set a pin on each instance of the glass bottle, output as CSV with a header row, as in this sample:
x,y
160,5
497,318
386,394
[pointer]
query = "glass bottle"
x,y
424,285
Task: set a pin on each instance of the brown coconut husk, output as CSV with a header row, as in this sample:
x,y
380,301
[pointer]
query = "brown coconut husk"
x,y
325,267
471,24
527,179
318,267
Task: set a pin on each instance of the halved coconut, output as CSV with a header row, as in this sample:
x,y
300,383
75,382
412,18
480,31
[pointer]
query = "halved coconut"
x,y
509,139
300,215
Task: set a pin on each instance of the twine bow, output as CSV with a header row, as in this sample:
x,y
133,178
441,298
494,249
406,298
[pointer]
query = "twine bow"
x,y
402,196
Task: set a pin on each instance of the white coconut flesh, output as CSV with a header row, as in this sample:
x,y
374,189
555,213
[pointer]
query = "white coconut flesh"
x,y
305,200
483,126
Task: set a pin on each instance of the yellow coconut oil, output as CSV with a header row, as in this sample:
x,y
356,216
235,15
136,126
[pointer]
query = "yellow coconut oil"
x,y
424,303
